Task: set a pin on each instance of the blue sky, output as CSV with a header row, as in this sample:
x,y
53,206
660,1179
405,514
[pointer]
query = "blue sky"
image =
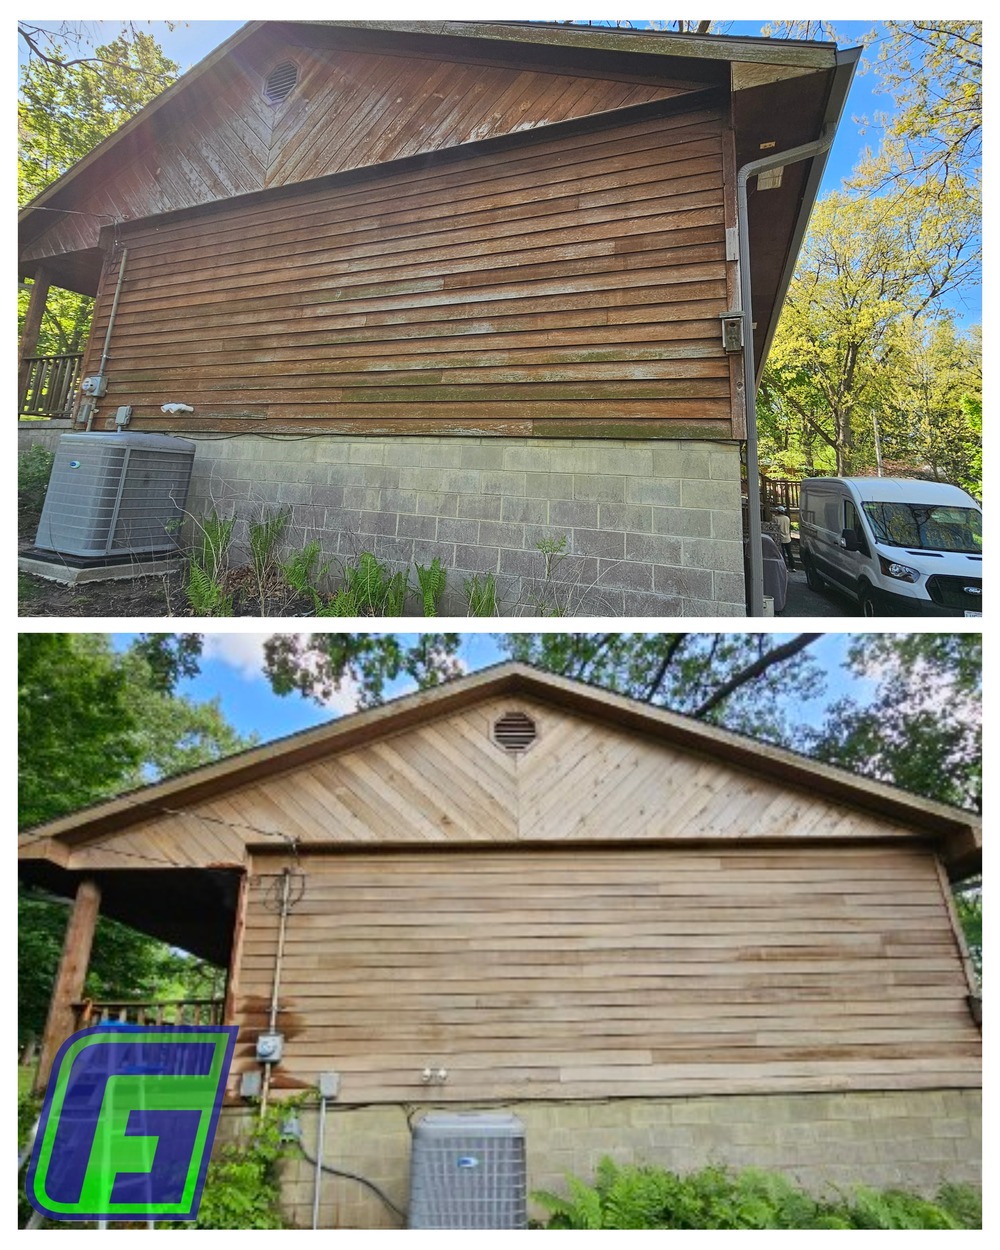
x,y
231,672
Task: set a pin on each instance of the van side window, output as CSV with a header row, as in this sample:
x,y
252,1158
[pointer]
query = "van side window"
x,y
853,522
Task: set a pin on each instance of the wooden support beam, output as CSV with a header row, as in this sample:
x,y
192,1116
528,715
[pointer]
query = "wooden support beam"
x,y
32,328
70,977
236,957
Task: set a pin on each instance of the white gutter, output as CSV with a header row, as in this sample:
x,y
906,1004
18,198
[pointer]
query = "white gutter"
x,y
790,157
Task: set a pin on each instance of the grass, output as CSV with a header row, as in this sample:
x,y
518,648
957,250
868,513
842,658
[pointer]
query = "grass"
x,y
24,1078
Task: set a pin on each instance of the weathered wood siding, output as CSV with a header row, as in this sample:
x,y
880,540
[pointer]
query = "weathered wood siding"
x,y
447,783
565,286
611,972
221,137
602,914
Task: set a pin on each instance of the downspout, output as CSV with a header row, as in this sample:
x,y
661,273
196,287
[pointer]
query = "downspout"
x,y
791,157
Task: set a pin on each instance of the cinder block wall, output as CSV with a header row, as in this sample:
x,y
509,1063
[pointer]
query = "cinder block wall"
x,y
47,433
651,528
914,1139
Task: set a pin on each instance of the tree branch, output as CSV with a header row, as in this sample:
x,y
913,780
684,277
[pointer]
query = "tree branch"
x,y
779,654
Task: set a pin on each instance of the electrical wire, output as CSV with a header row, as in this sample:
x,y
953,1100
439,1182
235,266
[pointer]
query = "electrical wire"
x,y
353,1176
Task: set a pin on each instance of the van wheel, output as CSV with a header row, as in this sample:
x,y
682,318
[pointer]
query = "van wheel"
x,y
870,605
813,579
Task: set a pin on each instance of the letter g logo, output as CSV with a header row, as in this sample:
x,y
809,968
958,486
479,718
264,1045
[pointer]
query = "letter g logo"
x,y
128,1122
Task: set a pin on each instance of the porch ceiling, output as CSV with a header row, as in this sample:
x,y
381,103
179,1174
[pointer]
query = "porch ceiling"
x,y
194,909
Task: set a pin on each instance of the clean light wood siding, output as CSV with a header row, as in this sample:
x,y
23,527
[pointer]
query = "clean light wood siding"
x,y
610,972
447,783
220,137
572,282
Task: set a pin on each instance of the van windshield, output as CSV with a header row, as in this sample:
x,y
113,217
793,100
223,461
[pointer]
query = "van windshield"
x,y
926,527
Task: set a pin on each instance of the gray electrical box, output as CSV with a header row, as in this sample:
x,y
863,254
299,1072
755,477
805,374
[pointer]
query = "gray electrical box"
x,y
468,1170
732,331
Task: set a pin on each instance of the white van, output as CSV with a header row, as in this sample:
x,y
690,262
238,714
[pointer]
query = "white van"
x,y
904,547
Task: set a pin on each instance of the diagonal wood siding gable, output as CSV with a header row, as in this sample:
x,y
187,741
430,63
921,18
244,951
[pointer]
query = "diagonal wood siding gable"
x,y
597,972
220,137
447,783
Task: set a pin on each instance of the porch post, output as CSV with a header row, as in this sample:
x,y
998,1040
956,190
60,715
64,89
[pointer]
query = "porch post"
x,y
70,978
236,953
32,328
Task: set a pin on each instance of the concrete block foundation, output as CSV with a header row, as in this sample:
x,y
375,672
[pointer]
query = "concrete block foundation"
x,y
912,1139
586,527
593,527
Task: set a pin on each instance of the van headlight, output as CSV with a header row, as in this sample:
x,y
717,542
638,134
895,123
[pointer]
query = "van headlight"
x,y
901,572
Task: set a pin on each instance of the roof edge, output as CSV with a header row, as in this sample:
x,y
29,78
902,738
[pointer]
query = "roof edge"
x,y
959,830
846,65
147,111
809,54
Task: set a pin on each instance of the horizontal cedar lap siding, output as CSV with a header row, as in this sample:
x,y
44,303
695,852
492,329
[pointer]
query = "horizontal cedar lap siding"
x,y
573,278
593,973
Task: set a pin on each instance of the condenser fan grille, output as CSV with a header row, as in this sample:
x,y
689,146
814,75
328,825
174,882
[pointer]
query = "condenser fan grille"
x,y
468,1170
115,495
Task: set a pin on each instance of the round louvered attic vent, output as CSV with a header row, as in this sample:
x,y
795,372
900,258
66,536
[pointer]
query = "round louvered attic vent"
x,y
514,731
280,82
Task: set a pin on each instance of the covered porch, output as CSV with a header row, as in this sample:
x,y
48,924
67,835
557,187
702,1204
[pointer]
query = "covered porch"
x,y
193,909
48,381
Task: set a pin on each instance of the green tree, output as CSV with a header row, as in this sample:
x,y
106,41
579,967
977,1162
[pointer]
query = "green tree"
x,y
868,268
922,730
74,727
740,681
68,103
728,678
316,665
925,421
94,722
933,70
67,107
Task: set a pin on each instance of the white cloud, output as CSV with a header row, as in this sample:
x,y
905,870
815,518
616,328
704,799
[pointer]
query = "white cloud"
x,y
245,654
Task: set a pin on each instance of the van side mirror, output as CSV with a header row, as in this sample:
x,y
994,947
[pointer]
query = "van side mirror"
x,y
850,540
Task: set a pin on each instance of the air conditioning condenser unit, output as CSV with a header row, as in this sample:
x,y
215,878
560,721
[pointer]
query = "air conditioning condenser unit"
x,y
468,1170
115,495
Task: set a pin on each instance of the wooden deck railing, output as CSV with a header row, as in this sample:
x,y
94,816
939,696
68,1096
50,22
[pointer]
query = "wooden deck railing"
x,y
50,385
773,491
171,1011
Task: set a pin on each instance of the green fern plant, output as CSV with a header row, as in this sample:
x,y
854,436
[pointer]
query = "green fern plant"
x,y
482,595
432,583
303,573
343,603
644,1197
264,536
215,537
376,591
205,593
207,565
